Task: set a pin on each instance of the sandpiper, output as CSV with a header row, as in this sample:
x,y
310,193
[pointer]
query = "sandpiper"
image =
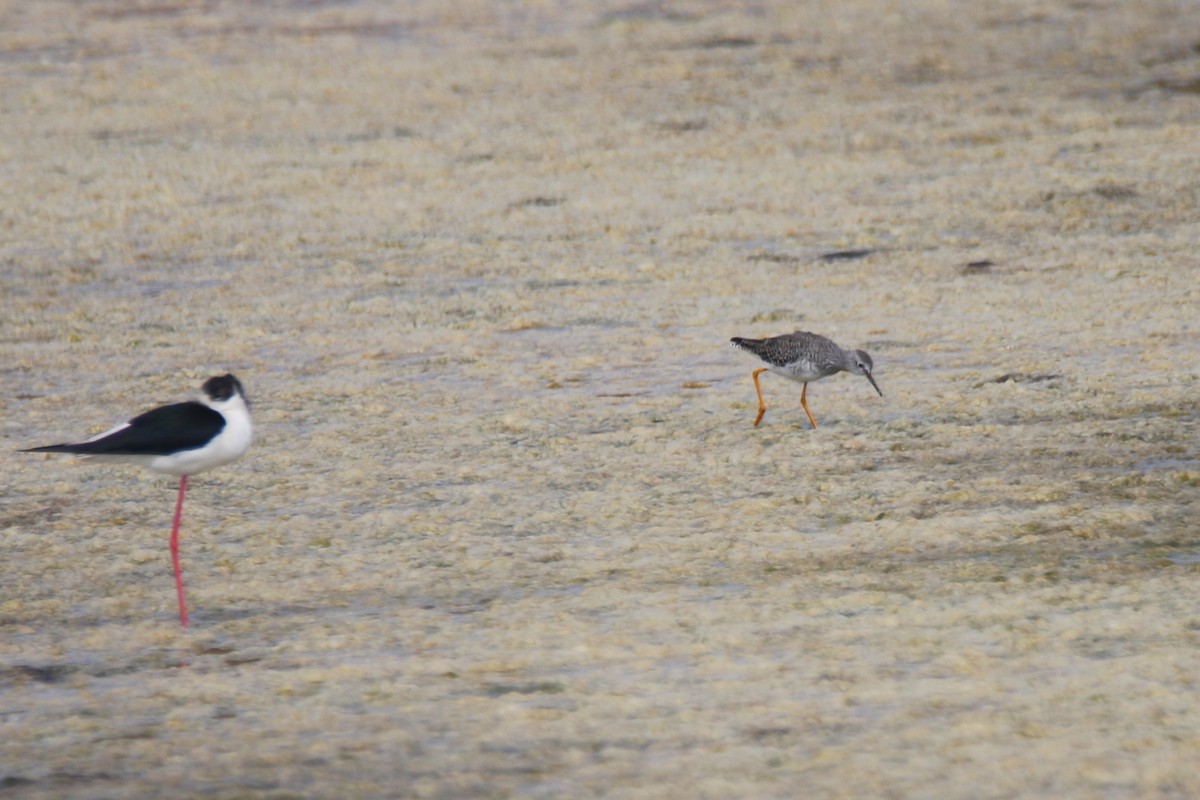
x,y
803,357
180,439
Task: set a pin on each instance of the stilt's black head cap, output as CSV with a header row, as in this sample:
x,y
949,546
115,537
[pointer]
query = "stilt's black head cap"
x,y
223,387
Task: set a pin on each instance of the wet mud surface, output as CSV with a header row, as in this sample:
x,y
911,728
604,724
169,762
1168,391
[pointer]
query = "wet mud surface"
x,y
507,528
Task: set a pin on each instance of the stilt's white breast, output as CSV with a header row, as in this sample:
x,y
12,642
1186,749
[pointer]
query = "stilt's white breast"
x,y
230,444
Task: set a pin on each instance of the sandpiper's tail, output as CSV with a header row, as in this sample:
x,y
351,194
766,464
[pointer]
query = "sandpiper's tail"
x,y
754,346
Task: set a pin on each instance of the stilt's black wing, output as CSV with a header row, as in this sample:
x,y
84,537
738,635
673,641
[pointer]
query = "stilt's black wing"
x,y
160,432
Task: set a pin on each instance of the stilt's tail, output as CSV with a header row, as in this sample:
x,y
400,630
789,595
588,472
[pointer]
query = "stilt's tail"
x,y
58,448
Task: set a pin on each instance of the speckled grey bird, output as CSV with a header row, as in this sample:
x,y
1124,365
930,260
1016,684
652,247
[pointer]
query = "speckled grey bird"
x,y
803,357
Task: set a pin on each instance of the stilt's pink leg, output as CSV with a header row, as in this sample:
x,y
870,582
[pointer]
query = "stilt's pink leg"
x,y
183,615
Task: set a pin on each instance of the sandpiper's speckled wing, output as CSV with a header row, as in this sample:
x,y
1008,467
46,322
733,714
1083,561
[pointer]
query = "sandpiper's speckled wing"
x,y
791,348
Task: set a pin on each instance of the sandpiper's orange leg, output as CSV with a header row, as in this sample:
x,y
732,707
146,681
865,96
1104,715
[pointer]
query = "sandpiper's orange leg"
x,y
762,407
804,402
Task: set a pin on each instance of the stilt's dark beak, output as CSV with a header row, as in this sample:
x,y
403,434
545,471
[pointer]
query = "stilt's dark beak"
x,y
872,380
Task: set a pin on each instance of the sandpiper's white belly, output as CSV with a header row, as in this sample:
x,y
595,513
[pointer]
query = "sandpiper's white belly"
x,y
802,371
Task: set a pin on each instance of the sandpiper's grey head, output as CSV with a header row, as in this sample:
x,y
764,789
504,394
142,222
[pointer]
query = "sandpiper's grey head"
x,y
863,366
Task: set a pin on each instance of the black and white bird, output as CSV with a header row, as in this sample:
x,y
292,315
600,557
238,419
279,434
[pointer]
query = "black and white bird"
x,y
181,439
804,357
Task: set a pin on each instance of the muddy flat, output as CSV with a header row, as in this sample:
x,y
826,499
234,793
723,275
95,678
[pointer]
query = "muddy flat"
x,y
507,528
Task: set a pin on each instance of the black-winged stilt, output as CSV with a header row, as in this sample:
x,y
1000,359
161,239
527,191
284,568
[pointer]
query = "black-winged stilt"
x,y
181,439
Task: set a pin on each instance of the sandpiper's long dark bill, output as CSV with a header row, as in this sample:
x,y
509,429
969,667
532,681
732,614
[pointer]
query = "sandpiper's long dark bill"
x,y
181,439
804,357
